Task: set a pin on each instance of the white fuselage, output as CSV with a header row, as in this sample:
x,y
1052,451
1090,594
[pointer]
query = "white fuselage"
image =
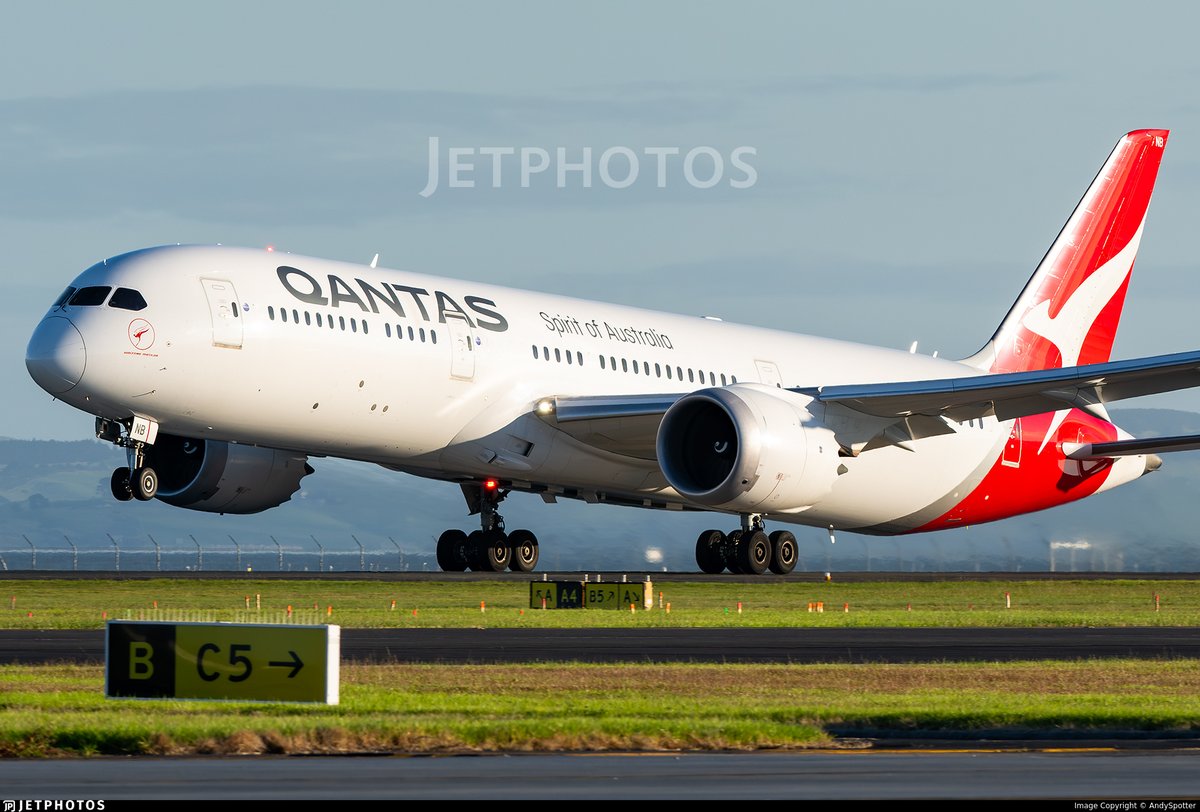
x,y
439,377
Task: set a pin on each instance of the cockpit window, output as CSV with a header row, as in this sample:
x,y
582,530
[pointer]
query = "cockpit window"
x,y
62,300
90,297
127,299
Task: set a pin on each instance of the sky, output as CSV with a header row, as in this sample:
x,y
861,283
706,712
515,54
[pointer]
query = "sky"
x,y
911,162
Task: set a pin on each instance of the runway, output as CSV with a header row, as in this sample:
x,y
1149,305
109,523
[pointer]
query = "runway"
x,y
755,645
1082,775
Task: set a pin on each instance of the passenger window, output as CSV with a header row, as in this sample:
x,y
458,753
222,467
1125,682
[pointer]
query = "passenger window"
x,y
579,358
545,353
342,323
411,334
129,299
320,323
722,379
283,314
90,297
557,355
432,336
602,366
535,352
271,312
570,358
307,319
422,335
353,325
624,365
691,375
657,370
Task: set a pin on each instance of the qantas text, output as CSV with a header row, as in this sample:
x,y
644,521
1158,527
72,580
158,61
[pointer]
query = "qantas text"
x,y
337,292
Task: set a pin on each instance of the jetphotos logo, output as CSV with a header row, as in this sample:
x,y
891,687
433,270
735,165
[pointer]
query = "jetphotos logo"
x,y
54,806
617,167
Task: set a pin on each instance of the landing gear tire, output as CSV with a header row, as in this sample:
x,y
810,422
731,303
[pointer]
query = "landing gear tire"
x,y
783,552
524,547
710,551
496,553
475,545
452,551
145,484
754,552
122,489
732,544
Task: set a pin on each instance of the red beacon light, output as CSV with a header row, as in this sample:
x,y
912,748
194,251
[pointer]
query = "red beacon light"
x,y
490,484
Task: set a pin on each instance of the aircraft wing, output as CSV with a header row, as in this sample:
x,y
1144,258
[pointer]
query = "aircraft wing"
x,y
1018,394
622,424
628,424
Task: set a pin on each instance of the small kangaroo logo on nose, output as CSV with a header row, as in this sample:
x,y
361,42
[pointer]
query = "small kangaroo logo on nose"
x,y
141,334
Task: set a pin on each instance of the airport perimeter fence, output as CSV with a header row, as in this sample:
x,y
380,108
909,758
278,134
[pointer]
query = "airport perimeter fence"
x,y
150,554
255,552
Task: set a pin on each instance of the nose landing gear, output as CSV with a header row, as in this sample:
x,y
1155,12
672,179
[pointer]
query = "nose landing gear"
x,y
488,549
137,480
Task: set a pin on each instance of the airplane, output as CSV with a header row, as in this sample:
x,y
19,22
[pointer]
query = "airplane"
x,y
221,371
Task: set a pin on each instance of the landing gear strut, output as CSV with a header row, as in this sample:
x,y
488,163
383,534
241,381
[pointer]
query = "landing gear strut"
x,y
748,550
488,549
136,480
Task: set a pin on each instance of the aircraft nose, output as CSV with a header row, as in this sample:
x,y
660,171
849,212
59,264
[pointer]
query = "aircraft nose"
x,y
56,355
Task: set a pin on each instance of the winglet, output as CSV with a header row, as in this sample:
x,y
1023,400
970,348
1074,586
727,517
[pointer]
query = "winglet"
x,y
1067,314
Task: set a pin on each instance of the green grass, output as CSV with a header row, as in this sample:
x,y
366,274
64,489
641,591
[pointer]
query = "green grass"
x,y
59,710
74,604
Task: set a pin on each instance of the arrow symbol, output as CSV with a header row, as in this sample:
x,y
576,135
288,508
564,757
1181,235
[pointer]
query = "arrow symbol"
x,y
295,664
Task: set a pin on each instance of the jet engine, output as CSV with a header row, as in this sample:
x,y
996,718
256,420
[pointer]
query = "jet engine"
x,y
747,448
220,477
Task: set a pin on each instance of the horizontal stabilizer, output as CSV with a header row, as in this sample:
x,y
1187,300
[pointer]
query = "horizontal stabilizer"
x,y
1127,448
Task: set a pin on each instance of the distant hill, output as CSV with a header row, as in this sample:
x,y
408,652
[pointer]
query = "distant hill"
x,y
54,491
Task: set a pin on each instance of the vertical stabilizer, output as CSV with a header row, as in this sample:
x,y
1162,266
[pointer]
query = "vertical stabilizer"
x,y
1068,313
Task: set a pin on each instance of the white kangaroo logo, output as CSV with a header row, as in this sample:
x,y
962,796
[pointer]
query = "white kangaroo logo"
x,y
1070,328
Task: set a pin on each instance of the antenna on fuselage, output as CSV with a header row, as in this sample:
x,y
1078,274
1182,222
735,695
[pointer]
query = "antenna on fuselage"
x,y
375,261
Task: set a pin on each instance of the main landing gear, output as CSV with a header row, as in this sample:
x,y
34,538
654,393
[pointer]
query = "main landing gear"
x,y
748,551
488,549
137,480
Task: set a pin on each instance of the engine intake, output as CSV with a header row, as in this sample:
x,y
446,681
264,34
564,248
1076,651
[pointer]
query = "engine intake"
x,y
220,477
747,448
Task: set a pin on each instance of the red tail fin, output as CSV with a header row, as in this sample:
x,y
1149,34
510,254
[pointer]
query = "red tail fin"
x,y
1068,312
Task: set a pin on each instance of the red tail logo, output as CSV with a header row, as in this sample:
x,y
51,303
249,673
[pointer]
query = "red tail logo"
x,y
1068,313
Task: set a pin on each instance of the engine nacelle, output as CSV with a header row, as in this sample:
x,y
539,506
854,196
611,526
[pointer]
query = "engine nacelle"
x,y
747,448
219,477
